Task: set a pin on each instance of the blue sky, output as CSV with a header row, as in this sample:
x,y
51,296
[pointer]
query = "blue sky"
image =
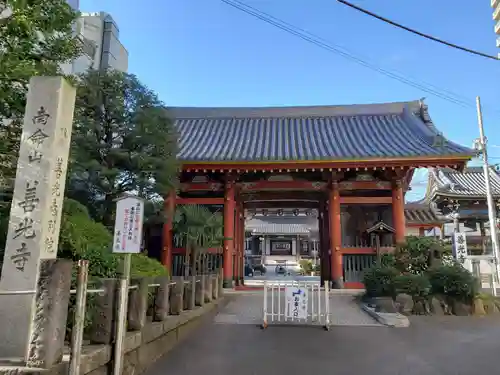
x,y
206,53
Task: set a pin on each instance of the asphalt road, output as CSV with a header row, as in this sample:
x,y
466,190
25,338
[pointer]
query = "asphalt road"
x,y
431,346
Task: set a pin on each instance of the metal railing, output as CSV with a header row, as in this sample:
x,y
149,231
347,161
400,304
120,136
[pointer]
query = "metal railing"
x,y
296,302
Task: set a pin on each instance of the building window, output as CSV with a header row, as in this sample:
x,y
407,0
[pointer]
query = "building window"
x,y
304,247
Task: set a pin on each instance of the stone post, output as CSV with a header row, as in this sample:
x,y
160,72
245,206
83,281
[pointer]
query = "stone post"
x,y
162,303
102,330
51,313
35,214
215,286
192,296
208,288
200,290
220,284
177,296
138,303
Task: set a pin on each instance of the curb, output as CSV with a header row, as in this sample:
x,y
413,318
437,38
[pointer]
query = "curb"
x,y
395,320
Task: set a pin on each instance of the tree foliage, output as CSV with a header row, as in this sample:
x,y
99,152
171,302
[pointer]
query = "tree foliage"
x,y
35,39
198,229
123,140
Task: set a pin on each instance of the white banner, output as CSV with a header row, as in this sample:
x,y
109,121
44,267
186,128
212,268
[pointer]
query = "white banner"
x,y
128,225
296,302
460,244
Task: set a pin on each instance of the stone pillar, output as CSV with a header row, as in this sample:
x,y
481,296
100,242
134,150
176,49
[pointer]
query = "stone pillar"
x,y
138,304
177,296
162,300
46,343
398,212
166,255
229,207
215,286
200,290
208,288
103,322
35,214
335,237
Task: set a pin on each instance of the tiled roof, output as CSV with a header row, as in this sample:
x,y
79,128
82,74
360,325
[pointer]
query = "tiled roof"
x,y
469,183
281,225
421,213
388,130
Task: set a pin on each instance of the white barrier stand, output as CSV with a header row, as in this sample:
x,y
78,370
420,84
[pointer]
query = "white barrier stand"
x,y
296,302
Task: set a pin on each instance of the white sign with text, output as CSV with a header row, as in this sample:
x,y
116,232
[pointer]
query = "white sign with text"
x,y
296,303
128,225
460,243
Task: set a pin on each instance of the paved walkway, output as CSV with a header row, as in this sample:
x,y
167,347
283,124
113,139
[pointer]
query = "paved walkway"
x,y
431,346
246,308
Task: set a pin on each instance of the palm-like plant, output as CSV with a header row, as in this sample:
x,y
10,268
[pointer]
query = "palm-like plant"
x,y
199,230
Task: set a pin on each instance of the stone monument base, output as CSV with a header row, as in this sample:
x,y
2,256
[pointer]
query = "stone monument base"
x,y
33,326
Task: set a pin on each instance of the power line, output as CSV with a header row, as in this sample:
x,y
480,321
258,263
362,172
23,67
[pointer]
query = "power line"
x,y
416,32
322,43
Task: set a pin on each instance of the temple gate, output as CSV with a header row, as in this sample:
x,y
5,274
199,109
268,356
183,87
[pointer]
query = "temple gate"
x,y
352,164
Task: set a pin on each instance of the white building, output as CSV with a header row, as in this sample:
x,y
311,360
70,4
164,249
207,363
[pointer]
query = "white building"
x,y
101,44
495,4
75,4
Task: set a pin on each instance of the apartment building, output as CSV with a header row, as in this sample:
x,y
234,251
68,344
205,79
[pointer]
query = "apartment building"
x,y
100,36
495,4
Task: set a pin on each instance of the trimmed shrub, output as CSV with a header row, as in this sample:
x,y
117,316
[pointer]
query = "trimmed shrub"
x,y
417,254
379,281
388,260
83,238
143,266
417,286
453,281
307,266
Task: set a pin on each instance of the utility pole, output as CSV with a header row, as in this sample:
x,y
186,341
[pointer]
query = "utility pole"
x,y
481,146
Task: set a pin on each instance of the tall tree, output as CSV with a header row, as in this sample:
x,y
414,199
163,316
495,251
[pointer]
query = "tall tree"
x,y
36,37
123,141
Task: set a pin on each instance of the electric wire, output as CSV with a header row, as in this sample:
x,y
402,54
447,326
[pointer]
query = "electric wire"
x,y
322,43
419,33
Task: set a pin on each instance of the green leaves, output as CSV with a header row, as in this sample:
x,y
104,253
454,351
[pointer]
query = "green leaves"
x,y
198,226
123,140
34,40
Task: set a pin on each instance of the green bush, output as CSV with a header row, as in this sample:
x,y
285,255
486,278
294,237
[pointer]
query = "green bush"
x,y
453,281
379,281
417,286
307,266
388,260
417,254
143,266
83,238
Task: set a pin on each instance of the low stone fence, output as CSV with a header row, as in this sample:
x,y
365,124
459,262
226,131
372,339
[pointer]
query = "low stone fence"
x,y
154,328
161,312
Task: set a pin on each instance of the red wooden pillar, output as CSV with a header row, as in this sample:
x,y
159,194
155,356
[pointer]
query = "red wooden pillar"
x,y
398,212
322,248
325,258
166,254
229,207
237,248
242,243
335,237
421,232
